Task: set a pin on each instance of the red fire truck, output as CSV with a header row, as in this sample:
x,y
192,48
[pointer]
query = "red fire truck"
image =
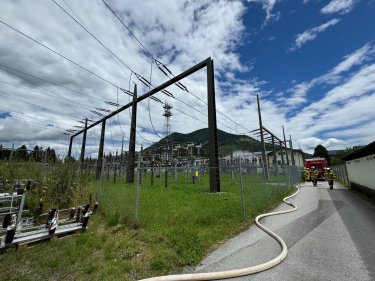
x,y
318,163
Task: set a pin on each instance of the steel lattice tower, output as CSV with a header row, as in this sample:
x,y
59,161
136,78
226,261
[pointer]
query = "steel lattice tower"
x,y
167,124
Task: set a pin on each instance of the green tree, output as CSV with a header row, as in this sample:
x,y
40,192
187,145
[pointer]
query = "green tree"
x,y
51,155
336,159
321,151
35,154
21,153
4,153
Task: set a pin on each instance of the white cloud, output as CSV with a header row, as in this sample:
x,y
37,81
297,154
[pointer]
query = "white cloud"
x,y
311,34
332,77
268,5
358,57
339,6
330,143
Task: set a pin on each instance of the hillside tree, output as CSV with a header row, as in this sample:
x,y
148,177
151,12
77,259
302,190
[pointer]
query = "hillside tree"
x,y
321,151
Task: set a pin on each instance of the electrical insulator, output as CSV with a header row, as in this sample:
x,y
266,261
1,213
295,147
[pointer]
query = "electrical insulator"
x,y
85,209
95,207
85,220
28,184
78,213
6,220
16,185
72,212
11,229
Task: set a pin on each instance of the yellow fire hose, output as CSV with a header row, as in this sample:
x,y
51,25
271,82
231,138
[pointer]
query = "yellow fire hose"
x,y
243,271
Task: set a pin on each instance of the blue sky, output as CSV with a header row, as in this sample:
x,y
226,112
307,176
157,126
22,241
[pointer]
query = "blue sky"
x,y
311,62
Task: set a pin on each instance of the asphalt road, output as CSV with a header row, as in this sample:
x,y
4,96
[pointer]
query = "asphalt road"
x,y
330,237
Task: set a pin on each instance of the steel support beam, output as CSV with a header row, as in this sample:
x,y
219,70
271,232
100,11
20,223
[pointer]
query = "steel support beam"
x,y
291,150
131,154
101,151
281,152
265,164
82,157
212,130
70,147
286,149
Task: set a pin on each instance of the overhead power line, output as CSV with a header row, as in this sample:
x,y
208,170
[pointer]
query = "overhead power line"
x,y
94,37
129,30
28,116
56,96
34,124
28,74
59,54
24,101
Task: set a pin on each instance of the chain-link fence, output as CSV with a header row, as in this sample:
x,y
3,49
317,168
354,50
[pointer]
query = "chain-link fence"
x,y
341,173
176,194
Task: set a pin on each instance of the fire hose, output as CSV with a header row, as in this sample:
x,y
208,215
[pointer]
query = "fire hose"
x,y
242,271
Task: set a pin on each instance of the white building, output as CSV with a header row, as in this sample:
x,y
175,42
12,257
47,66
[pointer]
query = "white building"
x,y
297,154
360,165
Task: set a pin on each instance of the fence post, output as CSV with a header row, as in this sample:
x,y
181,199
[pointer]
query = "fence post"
x,y
137,189
114,174
242,195
101,179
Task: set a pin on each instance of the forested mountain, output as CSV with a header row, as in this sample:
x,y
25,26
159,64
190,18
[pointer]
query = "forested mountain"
x,y
227,142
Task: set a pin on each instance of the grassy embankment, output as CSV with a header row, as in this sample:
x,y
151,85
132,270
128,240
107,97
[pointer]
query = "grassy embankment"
x,y
177,226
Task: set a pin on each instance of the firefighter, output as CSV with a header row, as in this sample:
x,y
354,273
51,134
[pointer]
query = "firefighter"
x,y
329,176
314,176
306,174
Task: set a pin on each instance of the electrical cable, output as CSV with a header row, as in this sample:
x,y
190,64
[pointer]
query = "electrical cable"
x,y
15,112
190,116
57,96
243,271
129,30
110,127
92,36
87,29
47,81
21,100
34,124
118,118
58,54
148,104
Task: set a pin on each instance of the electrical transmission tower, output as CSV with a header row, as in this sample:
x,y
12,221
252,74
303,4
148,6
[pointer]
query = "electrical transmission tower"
x,y
167,124
167,130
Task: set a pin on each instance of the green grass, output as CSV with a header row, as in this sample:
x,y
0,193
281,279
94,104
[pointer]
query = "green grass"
x,y
176,227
